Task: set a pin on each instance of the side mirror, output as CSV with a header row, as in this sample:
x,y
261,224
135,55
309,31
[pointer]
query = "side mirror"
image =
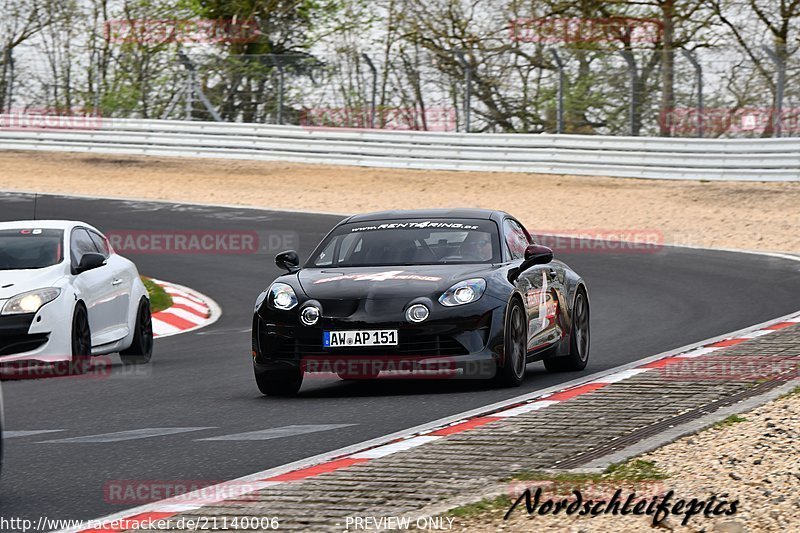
x,y
536,254
90,261
288,260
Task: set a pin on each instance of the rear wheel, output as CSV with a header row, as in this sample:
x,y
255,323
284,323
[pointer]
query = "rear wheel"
x,y
141,351
578,340
81,341
515,352
281,382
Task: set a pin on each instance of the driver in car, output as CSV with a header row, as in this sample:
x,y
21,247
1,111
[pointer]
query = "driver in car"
x,y
477,247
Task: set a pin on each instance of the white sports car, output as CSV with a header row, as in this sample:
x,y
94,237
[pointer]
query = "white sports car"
x,y
65,295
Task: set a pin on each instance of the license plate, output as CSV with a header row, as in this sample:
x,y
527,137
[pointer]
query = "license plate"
x,y
347,339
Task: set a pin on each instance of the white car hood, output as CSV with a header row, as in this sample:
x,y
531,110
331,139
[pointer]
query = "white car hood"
x,y
13,282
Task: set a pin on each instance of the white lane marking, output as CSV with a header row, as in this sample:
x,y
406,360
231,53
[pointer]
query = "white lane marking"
x,y
527,408
619,376
697,353
225,331
131,434
754,334
161,328
184,314
180,507
394,447
280,432
13,434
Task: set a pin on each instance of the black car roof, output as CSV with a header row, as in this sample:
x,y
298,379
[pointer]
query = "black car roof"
x,y
484,214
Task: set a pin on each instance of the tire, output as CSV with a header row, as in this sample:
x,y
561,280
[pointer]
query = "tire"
x,y
283,382
141,350
81,341
578,340
515,351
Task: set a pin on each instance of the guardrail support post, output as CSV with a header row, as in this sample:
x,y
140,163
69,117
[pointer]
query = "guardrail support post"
x,y
188,103
561,78
280,92
699,73
374,90
628,55
780,62
468,90
191,87
8,68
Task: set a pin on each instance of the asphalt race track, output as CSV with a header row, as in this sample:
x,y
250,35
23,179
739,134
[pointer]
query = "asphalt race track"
x,y
200,384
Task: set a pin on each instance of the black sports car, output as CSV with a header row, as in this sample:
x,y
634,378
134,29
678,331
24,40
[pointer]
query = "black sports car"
x,y
427,293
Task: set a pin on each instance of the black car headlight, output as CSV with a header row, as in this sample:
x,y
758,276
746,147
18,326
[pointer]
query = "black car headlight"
x,y
282,296
463,292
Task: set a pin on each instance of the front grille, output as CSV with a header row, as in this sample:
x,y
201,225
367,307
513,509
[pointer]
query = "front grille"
x,y
431,345
421,345
338,308
14,344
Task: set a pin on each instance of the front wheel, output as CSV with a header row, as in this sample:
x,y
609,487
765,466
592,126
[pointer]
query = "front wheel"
x,y
281,382
515,351
81,341
578,340
141,350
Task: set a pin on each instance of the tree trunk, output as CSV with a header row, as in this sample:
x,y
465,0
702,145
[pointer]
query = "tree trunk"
x,y
667,67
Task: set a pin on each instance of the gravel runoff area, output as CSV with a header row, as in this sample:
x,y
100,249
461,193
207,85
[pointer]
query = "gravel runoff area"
x,y
760,216
753,457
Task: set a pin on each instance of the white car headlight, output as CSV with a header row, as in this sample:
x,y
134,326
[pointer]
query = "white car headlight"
x,y
282,296
30,302
463,292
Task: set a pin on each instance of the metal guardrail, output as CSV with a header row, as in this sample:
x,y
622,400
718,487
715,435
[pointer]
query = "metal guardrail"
x,y
636,157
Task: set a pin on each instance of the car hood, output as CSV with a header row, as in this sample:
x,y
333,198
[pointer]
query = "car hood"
x,y
13,282
385,282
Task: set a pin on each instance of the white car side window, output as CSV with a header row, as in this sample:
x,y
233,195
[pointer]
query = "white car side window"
x,y
99,242
80,244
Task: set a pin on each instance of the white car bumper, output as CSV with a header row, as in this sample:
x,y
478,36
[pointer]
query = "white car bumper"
x,y
42,336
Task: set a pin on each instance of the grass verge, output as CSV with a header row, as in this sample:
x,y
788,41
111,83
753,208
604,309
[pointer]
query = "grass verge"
x,y
159,299
729,421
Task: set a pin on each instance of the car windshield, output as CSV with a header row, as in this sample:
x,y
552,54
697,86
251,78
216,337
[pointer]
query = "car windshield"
x,y
409,242
27,248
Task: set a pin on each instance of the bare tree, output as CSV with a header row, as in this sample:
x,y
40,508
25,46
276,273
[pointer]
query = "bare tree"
x,y
21,20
